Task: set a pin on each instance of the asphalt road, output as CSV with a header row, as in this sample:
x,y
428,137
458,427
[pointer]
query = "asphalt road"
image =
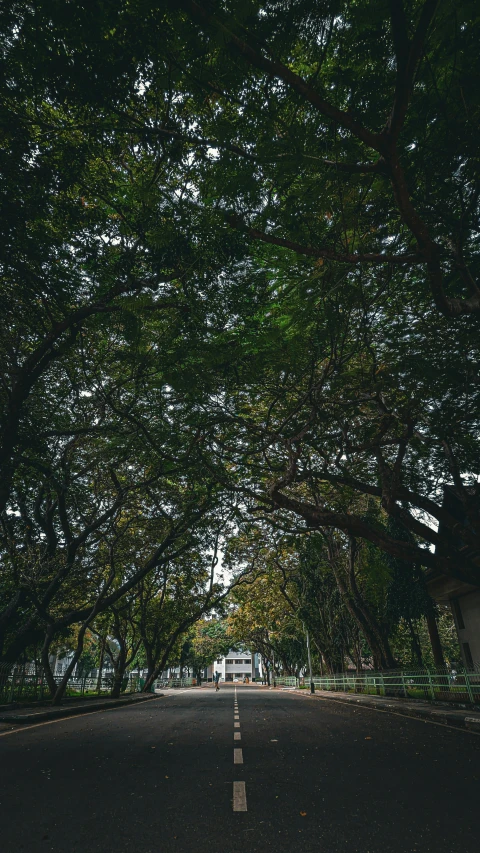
x,y
318,776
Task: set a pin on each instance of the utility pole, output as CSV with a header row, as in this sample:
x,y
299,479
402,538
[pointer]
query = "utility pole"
x,y
273,667
312,686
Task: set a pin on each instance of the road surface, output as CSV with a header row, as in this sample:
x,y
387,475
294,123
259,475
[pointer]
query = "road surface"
x,y
293,773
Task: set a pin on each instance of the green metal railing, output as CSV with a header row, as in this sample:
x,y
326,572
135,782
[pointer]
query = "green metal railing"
x,y
19,683
434,684
285,681
181,682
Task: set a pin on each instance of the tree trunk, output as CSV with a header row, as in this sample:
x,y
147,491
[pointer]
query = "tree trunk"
x,y
148,648
386,658
119,670
44,655
158,668
59,693
435,640
416,647
9,613
100,663
358,609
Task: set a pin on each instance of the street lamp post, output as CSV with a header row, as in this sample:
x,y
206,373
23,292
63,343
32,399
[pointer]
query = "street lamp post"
x,y
312,686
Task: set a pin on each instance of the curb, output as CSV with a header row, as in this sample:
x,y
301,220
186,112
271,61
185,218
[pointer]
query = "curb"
x,y
432,715
76,710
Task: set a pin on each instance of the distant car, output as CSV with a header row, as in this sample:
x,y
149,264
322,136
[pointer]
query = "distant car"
x,y
235,679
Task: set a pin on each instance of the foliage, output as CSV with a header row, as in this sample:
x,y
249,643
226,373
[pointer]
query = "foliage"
x,y
239,278
207,641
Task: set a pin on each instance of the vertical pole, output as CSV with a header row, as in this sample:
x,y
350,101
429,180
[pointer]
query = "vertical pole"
x,y
312,686
273,667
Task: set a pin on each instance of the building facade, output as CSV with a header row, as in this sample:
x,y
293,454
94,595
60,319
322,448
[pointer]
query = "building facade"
x,y
463,599
464,602
236,666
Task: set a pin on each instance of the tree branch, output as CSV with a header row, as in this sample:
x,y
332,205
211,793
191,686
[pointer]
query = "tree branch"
x,y
277,69
328,254
353,525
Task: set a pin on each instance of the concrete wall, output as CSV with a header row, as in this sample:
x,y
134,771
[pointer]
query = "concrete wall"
x,y
466,612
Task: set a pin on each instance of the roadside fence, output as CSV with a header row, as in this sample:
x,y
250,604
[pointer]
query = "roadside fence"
x,y
181,682
438,684
27,683
285,680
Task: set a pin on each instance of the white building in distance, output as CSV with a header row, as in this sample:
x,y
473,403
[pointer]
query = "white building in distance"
x,y
236,666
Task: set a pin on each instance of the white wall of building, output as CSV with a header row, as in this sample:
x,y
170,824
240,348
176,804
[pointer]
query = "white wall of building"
x,y
235,665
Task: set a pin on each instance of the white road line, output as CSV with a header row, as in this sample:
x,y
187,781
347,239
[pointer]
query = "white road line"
x,y
236,725
24,728
239,797
237,736
236,717
237,756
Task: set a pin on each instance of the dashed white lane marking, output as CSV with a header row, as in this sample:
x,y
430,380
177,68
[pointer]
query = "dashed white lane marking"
x,y
236,717
237,756
239,797
237,735
236,725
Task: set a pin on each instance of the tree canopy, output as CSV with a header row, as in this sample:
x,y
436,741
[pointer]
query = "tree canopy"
x,y
240,289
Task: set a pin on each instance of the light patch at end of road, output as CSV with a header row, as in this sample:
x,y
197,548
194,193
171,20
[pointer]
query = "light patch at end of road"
x,y
237,736
239,797
237,756
236,725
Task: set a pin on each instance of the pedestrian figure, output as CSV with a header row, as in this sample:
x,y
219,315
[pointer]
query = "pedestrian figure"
x,y
217,678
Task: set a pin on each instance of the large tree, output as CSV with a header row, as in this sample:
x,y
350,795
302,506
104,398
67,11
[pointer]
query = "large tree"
x,y
240,247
